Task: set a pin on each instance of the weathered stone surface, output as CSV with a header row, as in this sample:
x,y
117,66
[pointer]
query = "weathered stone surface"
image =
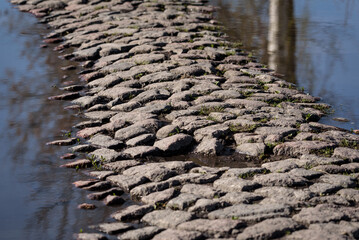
x,y
99,186
130,132
323,188
81,163
105,155
174,143
178,235
241,197
200,190
182,202
351,195
103,141
269,229
140,151
158,198
243,172
284,195
90,236
215,228
302,147
338,180
209,146
319,214
251,213
120,166
166,218
346,153
132,212
281,166
113,228
127,182
148,188
141,233
204,206
145,139
253,149
235,184
102,195
113,200
280,179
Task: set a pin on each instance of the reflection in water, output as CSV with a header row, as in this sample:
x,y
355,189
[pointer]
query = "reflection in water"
x,y
281,38
37,199
314,43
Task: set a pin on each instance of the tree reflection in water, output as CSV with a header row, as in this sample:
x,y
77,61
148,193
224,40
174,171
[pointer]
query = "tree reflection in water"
x,y
37,199
312,42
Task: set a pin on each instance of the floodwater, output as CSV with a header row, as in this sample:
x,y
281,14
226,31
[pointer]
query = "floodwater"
x,y
314,43
317,48
37,199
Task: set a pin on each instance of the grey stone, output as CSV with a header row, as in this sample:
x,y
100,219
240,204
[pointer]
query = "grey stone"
x,y
105,155
167,131
344,228
216,228
323,188
148,188
132,212
235,184
243,172
251,213
281,166
103,141
309,161
113,200
308,174
114,228
197,178
315,235
155,172
351,167
182,202
214,131
101,175
99,115
346,153
351,195
269,229
242,138
319,214
141,233
90,236
204,206
295,149
130,132
333,200
166,218
120,166
174,143
158,198
252,149
209,146
145,139
280,179
102,195
200,190
338,180
81,163
140,151
127,182
284,195
240,197
178,235
99,186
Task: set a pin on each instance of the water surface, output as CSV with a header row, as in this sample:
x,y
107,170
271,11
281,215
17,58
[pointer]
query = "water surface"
x,y
37,199
314,43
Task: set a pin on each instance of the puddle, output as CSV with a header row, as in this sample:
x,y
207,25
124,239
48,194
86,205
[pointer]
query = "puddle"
x,y
314,43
